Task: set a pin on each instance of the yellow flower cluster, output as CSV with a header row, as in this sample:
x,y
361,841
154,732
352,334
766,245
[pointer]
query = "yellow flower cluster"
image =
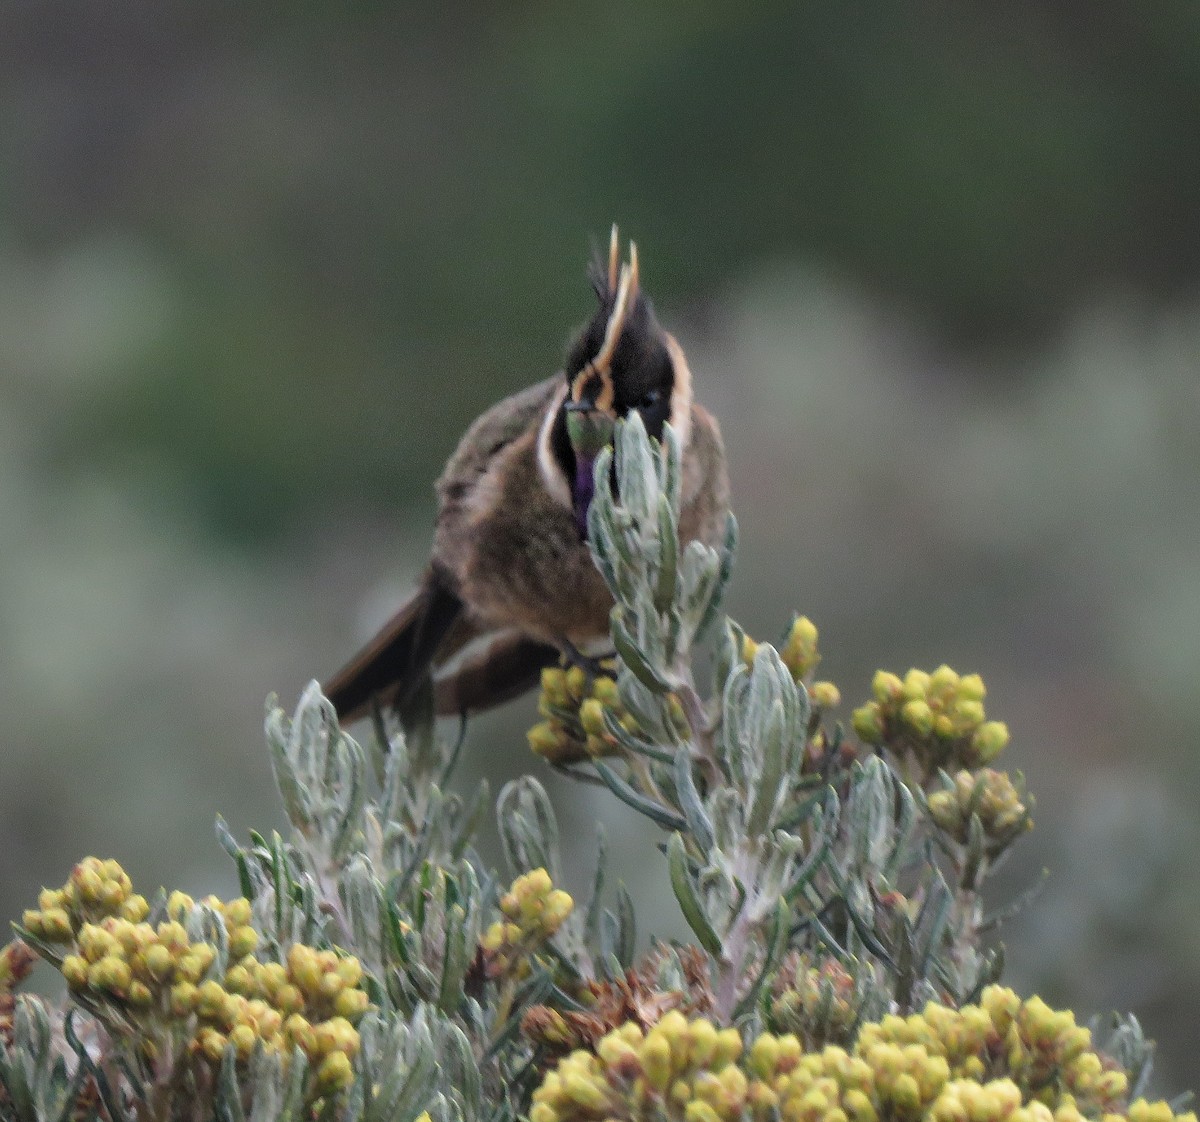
x,y
937,717
680,1069
96,890
816,1003
801,656
989,794
1041,1050
159,975
1000,1061
573,707
533,911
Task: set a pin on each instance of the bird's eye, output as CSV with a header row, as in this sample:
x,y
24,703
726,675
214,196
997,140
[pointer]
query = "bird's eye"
x,y
650,399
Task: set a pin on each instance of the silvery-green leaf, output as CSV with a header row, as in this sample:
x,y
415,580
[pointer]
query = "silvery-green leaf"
x,y
717,596
347,834
668,538
733,736
698,573
630,743
626,935
655,811
295,796
228,1099
670,475
528,828
728,814
637,477
631,655
458,951
698,820
903,824
689,901
771,783
643,705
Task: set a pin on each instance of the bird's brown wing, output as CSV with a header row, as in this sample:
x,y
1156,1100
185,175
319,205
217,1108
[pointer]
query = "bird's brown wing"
x,y
390,668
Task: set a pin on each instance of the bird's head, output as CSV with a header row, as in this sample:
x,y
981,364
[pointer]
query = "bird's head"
x,y
621,362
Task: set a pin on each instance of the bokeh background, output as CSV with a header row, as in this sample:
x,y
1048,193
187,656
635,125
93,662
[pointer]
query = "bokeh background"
x,y
937,268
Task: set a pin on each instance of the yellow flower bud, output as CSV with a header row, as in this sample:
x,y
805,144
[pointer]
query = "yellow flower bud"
x,y
75,970
700,1111
943,680
243,1040
867,723
945,811
89,883
238,980
351,1004
906,1093
703,1046
242,941
971,687
729,1047
990,739
859,1107
916,685
546,739
237,912
158,961
584,1092
918,716
111,973
335,1072
210,999
179,905
576,680
799,653
304,969
733,1083
173,935
825,695
111,896
211,1043
591,716
135,909
55,925
183,998
300,1032
886,687
605,691
559,906
764,1054
655,1057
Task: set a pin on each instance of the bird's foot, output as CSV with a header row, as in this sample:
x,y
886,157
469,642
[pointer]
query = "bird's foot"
x,y
594,666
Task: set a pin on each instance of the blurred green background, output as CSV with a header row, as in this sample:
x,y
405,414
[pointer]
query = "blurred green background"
x,y
936,267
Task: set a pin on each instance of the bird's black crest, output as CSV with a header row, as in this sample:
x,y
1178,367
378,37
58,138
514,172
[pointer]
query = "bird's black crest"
x,y
641,365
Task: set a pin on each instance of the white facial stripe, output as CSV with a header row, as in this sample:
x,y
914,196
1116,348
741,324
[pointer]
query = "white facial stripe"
x,y
548,467
681,392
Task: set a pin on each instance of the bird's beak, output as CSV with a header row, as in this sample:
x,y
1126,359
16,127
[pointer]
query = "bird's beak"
x,y
589,429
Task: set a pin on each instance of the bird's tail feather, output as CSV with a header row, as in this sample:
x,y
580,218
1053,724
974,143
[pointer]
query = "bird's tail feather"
x,y
508,666
388,670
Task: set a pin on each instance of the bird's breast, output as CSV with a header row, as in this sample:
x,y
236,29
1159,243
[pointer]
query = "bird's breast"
x,y
517,554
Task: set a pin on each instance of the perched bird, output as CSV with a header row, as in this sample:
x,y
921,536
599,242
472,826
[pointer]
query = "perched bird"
x,y
510,584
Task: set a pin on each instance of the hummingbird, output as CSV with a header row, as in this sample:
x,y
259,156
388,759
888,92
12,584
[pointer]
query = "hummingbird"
x,y
511,587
